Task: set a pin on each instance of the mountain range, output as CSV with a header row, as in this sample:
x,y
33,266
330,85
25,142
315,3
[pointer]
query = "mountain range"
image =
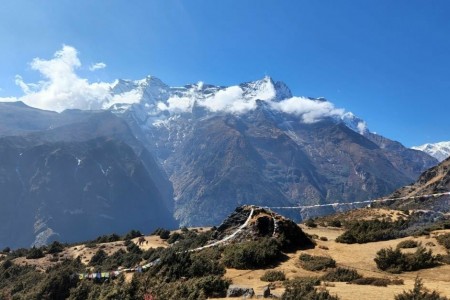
x,y
255,143
440,150
190,153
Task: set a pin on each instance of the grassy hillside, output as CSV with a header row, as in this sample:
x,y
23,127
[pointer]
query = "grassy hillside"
x,y
251,260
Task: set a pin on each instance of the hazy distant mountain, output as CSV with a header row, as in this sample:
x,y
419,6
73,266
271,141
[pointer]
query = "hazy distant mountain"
x,y
440,150
78,181
255,143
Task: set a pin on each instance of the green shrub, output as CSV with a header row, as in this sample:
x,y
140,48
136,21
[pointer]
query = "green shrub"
x,y
376,281
335,223
304,289
162,233
272,275
190,289
310,223
6,250
341,275
394,261
113,237
419,293
316,263
444,240
252,255
174,237
35,253
175,265
407,244
133,248
98,258
445,259
132,234
55,247
366,231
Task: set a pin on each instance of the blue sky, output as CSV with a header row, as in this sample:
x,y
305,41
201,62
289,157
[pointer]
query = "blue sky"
x,y
386,61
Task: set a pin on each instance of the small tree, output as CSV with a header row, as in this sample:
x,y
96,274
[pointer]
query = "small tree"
x,y
98,258
273,275
35,253
311,223
418,293
55,247
304,289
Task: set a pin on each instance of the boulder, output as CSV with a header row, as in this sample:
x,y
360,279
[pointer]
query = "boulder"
x,y
237,291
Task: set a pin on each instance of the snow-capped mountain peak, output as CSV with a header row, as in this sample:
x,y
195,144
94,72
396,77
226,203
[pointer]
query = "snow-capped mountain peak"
x,y
440,150
354,123
266,89
154,101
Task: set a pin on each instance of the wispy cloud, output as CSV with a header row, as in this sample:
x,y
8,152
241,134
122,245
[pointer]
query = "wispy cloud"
x,y
97,66
309,110
62,88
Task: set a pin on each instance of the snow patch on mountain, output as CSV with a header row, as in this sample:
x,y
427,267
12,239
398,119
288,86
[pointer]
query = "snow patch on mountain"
x,y
440,150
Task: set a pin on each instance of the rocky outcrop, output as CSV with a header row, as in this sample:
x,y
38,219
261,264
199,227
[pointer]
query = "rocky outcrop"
x,y
236,291
262,222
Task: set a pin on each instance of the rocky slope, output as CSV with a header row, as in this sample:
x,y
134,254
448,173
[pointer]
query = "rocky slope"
x,y
436,180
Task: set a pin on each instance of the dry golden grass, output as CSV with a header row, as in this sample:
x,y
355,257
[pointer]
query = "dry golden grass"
x,y
356,256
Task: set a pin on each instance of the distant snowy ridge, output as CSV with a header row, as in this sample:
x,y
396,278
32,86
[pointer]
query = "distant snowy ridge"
x,y
440,150
156,101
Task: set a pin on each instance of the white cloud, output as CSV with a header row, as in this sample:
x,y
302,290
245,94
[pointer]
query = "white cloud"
x,y
309,110
97,66
8,99
229,100
176,105
130,97
61,88
362,127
